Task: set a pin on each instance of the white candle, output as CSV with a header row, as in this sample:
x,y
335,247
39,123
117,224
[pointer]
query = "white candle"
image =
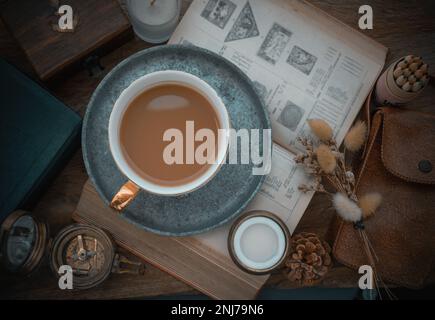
x,y
259,243
154,21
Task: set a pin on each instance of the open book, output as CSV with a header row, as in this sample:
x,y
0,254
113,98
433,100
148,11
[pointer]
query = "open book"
x,y
304,65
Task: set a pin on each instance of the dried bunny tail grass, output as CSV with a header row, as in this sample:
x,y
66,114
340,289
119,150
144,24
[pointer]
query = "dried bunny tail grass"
x,y
326,158
369,203
356,136
346,208
321,129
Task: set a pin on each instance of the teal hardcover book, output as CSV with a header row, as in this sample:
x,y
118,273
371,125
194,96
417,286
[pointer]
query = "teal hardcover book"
x,y
37,134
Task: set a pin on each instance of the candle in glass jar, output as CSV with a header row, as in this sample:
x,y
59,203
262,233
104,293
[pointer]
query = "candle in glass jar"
x,y
154,20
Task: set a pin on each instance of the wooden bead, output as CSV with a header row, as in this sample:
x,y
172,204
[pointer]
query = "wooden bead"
x,y
424,68
424,79
419,73
412,79
397,73
407,86
409,59
401,81
413,66
402,65
416,86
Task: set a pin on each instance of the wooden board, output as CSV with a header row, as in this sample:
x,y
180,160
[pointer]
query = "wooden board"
x,y
184,258
101,25
44,285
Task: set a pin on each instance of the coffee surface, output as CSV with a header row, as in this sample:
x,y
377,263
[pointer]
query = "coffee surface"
x,y
144,122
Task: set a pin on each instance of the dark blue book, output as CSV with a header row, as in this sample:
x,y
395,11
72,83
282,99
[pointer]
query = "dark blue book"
x,y
38,133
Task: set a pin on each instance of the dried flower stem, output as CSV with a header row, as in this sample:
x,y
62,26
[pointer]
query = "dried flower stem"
x,y
371,255
335,181
326,162
318,162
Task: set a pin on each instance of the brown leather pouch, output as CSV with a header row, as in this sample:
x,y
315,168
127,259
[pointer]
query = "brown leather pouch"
x,y
399,163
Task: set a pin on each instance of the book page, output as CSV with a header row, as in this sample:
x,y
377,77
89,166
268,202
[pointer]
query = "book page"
x,y
304,64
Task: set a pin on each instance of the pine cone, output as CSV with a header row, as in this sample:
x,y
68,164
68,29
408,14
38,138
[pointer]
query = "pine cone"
x,y
309,259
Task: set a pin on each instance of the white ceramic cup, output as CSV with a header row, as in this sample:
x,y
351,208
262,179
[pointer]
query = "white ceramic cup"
x,y
145,83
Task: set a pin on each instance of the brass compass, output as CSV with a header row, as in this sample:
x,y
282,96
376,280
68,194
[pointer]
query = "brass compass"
x,y
88,250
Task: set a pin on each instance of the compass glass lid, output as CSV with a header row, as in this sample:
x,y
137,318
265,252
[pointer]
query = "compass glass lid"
x,y
23,241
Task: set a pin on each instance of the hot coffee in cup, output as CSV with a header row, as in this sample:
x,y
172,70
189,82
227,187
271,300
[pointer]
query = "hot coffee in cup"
x,y
150,119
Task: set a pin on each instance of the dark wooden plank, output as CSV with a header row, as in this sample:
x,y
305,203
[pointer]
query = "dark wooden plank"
x,y
30,22
43,285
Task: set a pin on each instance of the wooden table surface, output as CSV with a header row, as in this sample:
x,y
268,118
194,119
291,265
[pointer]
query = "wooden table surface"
x,y
404,26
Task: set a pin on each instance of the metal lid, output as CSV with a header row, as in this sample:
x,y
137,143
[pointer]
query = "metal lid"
x,y
24,240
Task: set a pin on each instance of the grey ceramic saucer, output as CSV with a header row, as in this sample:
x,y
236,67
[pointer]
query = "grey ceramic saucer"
x,y
220,200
